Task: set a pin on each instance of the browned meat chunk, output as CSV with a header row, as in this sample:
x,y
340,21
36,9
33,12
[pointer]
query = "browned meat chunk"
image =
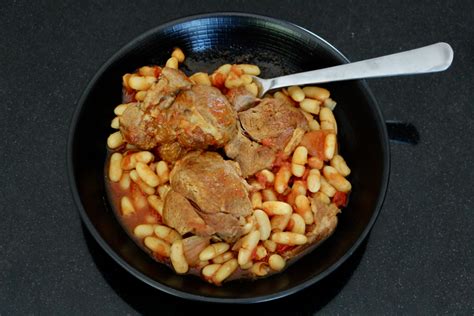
x,y
241,99
139,128
142,124
192,247
202,117
163,92
272,122
250,155
214,186
182,216
325,220
178,117
272,126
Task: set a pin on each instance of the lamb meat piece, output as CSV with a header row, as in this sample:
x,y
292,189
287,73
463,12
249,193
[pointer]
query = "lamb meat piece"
x,y
214,186
202,117
325,220
241,99
272,126
179,213
250,155
143,123
163,92
179,117
139,128
192,247
272,122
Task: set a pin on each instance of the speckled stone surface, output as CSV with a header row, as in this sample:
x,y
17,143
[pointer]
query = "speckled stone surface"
x,y
419,257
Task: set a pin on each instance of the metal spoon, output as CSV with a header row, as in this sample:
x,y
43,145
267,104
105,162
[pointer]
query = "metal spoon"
x,y
432,58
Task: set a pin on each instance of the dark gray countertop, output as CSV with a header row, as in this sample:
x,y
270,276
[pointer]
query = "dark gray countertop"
x,y
418,258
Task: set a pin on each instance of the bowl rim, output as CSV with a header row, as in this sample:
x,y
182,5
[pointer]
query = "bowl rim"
x,y
182,294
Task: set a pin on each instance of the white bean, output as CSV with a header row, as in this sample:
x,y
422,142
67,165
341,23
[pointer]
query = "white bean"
x,y
163,171
315,163
264,225
249,69
127,206
233,81
201,78
249,225
276,262
300,155
310,105
299,225
143,230
157,245
336,180
156,203
226,256
125,181
303,208
178,54
115,124
213,250
269,176
340,164
327,188
314,180
279,222
252,88
163,191
249,243
143,186
256,198
225,271
296,93
115,140
276,208
269,195
299,187
167,234
246,79
172,62
119,109
314,125
224,69
115,171
317,93
140,83
147,175
330,104
209,270
330,146
178,260
287,238
270,245
140,95
322,197
260,252
260,268
297,170
281,179
328,121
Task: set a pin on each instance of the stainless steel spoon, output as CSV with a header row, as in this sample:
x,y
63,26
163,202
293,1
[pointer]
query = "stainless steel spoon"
x,y
432,58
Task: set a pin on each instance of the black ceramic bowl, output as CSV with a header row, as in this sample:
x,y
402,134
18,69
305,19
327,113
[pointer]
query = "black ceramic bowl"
x,y
208,41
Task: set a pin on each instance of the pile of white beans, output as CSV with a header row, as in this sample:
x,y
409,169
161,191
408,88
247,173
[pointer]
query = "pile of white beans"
x,y
282,215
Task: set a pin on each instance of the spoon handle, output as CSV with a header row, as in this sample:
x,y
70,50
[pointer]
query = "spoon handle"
x,y
432,58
